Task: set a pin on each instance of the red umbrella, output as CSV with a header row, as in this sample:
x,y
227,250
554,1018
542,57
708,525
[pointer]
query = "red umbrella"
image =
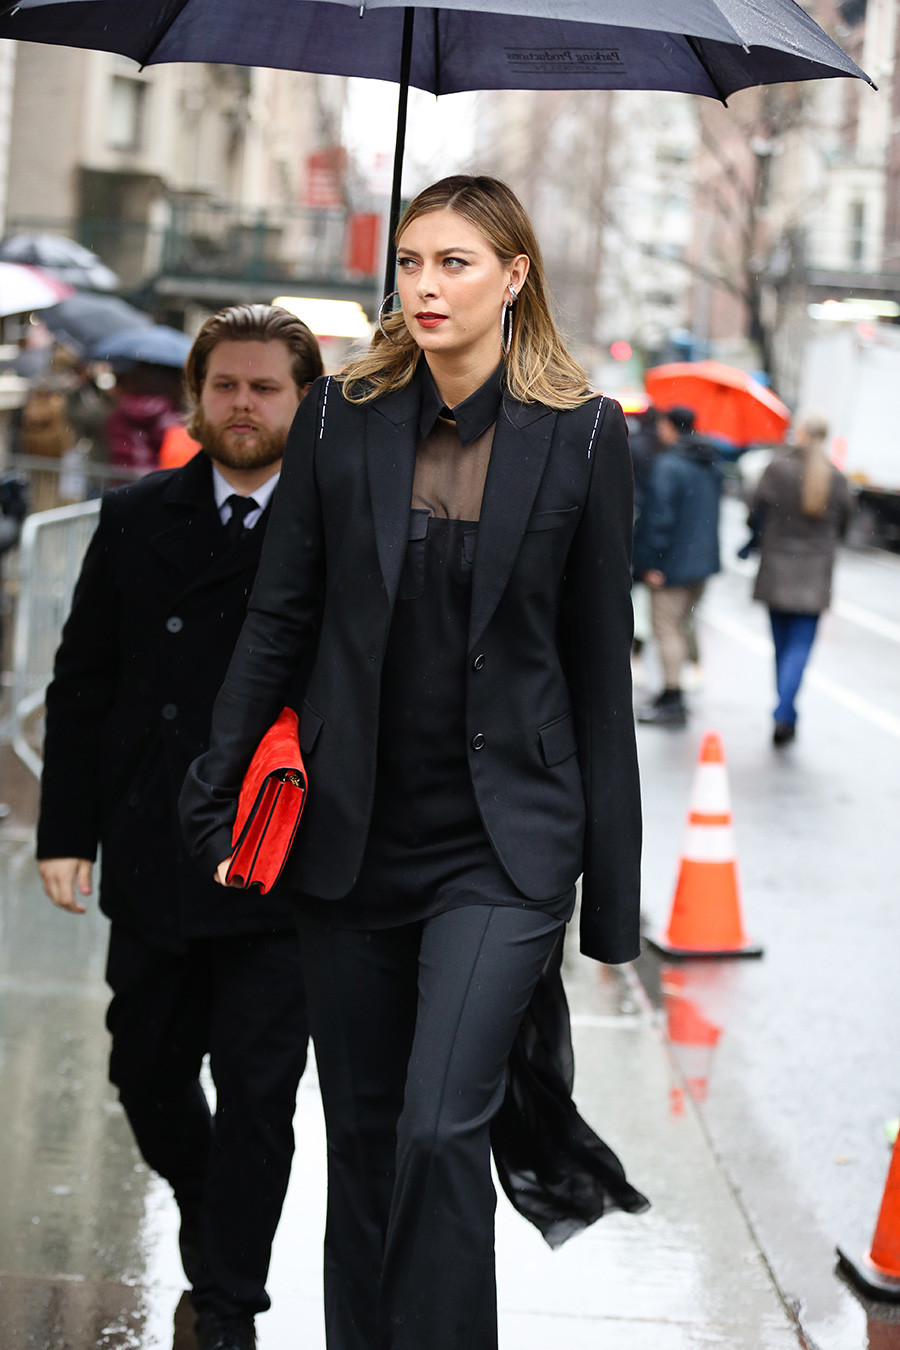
x,y
727,402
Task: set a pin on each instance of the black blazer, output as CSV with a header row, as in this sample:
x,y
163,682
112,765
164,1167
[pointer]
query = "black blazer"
x,y
548,692
155,616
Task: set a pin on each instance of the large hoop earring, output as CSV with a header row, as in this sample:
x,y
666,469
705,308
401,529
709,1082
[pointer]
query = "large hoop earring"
x,y
506,322
384,333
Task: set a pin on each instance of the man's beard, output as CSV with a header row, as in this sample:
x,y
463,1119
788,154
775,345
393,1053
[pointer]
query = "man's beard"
x,y
258,451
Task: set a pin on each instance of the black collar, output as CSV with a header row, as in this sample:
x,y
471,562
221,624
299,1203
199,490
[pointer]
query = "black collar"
x,y
472,417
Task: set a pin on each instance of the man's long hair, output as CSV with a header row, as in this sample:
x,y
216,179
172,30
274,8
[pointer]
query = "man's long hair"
x,y
537,368
251,323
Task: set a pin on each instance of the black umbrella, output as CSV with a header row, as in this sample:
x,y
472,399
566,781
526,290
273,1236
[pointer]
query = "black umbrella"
x,y
711,47
64,258
157,345
84,320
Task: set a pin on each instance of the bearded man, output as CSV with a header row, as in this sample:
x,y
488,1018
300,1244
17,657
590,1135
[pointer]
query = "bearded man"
x,y
194,969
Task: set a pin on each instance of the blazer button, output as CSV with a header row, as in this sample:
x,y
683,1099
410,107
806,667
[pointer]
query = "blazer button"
x,y
478,741
169,712
174,625
478,661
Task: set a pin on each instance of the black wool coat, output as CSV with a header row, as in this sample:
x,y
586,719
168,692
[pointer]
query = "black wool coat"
x,y
155,615
548,694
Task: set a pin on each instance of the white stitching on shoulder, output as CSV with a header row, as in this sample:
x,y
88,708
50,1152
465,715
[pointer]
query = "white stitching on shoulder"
x,y
596,423
324,401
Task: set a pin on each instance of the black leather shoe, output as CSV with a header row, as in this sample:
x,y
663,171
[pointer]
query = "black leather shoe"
x,y
668,710
784,733
224,1333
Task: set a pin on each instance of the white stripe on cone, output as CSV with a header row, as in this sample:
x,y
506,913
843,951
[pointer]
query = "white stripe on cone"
x,y
709,844
710,794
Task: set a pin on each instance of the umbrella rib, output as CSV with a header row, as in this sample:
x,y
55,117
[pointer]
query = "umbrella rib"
x,y
697,49
162,29
437,53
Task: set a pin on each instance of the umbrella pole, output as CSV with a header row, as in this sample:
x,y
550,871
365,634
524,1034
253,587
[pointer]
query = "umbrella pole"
x,y
402,100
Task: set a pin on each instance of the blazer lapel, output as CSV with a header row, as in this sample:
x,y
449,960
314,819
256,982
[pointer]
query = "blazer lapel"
x,y
391,434
522,439
193,535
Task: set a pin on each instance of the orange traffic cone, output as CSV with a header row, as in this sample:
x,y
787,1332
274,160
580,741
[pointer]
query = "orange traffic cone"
x,y
878,1271
706,910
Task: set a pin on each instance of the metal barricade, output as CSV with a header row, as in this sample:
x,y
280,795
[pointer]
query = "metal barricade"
x,y
51,550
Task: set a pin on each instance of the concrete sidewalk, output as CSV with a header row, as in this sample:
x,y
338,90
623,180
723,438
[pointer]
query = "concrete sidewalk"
x,y
88,1255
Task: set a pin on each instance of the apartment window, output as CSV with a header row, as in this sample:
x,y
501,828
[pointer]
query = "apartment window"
x,y
125,114
857,231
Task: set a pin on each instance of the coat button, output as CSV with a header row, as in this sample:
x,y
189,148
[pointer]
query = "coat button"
x,y
169,712
478,741
478,661
174,625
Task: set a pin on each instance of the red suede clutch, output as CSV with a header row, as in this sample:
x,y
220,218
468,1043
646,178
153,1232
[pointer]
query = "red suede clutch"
x,y
270,804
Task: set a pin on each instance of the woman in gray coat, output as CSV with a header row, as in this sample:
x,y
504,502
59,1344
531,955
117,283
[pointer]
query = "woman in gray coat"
x,y
801,507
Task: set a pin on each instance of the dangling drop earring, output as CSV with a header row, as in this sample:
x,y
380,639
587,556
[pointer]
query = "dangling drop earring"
x,y
384,333
506,322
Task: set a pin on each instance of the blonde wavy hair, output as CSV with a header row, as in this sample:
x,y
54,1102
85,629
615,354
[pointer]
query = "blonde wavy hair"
x,y
537,368
810,436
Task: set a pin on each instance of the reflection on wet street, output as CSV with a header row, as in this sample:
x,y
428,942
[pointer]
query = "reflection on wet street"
x,y
88,1253
700,1003
74,1266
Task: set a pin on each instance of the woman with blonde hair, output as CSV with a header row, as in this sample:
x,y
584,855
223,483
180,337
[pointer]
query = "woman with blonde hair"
x,y
801,509
448,557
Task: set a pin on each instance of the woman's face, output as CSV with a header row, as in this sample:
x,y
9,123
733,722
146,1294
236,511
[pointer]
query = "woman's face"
x,y
453,287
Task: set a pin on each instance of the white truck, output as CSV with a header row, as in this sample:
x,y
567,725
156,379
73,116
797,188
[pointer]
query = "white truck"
x,y
851,372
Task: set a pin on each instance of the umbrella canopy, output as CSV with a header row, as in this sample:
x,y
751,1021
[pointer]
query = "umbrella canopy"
x,y
25,288
711,47
157,345
84,320
697,46
68,260
727,402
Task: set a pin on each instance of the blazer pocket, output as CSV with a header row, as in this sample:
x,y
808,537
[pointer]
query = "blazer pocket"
x,y
558,739
550,520
311,724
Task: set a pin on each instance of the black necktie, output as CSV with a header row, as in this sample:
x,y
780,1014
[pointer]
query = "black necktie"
x,y
240,510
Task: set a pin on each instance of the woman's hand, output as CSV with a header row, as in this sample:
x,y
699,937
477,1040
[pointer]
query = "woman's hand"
x,y
222,874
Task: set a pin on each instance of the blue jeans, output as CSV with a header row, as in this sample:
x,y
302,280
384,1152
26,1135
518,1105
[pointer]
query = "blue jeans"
x,y
793,635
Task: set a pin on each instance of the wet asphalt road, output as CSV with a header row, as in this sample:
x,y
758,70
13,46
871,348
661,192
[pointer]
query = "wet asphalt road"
x,y
793,1065
797,1065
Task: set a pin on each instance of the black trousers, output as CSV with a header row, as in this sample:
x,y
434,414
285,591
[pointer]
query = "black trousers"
x,y
240,999
413,1027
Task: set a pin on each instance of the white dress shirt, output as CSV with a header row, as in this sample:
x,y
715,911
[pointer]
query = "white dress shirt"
x,y
223,490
